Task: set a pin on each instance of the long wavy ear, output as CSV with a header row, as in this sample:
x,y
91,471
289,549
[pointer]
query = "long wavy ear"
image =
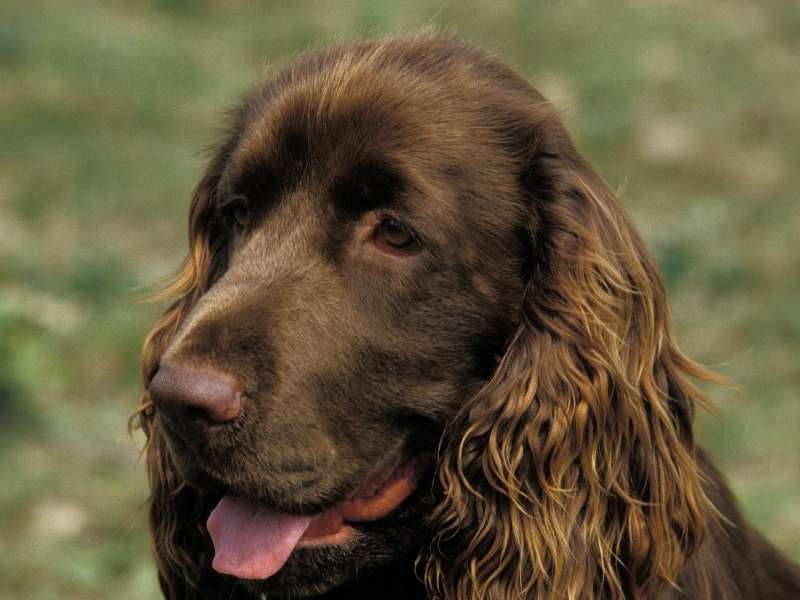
x,y
178,537
572,474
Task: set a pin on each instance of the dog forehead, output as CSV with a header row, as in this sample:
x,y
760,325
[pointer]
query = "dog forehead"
x,y
367,144
434,127
346,110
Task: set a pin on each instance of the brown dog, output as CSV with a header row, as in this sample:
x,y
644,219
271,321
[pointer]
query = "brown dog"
x,y
417,350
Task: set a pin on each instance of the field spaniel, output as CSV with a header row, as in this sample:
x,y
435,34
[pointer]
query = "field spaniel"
x,y
418,351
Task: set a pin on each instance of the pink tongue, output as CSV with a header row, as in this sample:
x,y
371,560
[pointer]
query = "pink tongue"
x,y
251,542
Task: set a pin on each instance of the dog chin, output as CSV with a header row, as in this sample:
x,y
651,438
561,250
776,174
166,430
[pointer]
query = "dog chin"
x,y
311,571
319,569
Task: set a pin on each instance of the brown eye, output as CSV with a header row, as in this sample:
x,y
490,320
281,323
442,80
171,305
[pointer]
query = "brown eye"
x,y
394,236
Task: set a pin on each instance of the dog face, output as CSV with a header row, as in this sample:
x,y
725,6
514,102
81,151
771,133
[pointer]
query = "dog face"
x,y
372,241
398,249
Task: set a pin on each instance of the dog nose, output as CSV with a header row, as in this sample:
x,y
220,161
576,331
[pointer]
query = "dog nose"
x,y
196,393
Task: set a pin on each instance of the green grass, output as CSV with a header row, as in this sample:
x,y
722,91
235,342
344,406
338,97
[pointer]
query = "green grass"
x,y
105,109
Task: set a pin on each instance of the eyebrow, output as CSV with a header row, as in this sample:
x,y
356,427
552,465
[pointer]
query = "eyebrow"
x,y
259,183
278,169
366,186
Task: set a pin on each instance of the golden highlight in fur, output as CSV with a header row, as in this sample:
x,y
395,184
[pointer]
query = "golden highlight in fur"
x,y
573,473
176,517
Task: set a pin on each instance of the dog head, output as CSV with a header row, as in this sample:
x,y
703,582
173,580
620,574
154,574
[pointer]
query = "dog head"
x,y
400,266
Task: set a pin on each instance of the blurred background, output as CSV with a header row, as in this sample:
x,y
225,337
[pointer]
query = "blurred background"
x,y
691,109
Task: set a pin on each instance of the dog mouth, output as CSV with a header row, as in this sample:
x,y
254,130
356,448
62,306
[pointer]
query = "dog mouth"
x,y
253,541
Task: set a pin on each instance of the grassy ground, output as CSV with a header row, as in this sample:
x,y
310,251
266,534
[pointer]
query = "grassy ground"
x,y
690,107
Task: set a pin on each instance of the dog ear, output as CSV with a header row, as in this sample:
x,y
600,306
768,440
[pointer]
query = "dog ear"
x,y
178,536
572,473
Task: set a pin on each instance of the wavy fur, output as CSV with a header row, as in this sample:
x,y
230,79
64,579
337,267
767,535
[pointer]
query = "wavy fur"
x,y
176,512
573,473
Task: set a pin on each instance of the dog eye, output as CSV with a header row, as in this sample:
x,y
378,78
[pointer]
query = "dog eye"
x,y
236,213
393,236
241,215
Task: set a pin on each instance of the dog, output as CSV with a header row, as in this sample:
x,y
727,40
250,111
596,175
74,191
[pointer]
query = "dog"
x,y
417,350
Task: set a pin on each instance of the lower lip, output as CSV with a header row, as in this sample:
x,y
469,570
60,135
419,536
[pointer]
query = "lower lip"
x,y
330,528
338,537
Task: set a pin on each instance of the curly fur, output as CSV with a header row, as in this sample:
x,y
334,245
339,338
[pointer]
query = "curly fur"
x,y
573,472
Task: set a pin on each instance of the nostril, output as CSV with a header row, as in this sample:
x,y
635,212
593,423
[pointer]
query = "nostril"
x,y
196,393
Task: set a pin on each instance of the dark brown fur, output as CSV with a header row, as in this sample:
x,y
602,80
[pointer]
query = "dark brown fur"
x,y
522,352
